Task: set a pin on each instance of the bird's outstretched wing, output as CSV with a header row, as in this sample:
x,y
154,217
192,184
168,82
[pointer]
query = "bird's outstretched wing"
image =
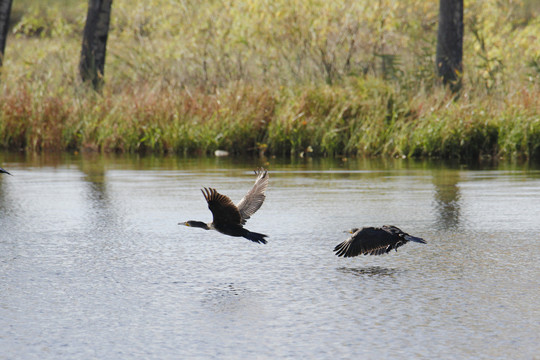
x,y
223,209
368,240
255,197
4,171
375,241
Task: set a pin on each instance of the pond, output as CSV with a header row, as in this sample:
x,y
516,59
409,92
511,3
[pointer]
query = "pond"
x,y
94,265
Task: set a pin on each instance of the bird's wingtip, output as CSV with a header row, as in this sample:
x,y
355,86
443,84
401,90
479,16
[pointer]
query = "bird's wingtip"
x,y
261,172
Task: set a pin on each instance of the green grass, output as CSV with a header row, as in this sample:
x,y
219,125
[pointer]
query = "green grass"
x,y
276,77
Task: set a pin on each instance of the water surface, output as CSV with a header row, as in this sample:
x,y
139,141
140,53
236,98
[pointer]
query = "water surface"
x,y
94,265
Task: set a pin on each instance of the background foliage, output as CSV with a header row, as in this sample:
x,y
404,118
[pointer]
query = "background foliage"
x,y
285,77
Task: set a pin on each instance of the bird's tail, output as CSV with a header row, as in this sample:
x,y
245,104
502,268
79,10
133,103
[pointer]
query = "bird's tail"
x,y
255,237
415,239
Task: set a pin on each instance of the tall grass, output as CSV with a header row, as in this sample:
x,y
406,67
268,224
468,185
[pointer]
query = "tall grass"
x,y
281,77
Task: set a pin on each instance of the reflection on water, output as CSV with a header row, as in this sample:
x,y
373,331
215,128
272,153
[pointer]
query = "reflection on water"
x,y
94,265
447,198
369,271
225,298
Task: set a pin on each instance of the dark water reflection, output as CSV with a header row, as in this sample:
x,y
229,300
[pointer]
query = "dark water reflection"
x,y
93,264
447,198
369,271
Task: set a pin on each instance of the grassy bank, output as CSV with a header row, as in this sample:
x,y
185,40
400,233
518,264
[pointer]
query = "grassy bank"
x,y
279,77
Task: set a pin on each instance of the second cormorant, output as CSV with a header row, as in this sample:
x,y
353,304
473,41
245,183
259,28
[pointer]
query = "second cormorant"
x,y
374,241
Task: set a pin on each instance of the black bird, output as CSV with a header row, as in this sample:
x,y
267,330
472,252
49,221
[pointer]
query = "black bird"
x,y
374,241
228,218
4,171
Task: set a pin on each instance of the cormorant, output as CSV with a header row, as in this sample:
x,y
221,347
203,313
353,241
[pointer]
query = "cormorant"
x,y
374,241
228,218
4,171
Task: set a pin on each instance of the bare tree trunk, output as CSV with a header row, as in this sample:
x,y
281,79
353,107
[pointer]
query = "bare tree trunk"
x,y
450,43
5,11
94,45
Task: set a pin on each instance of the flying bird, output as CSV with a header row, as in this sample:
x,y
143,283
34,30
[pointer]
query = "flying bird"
x,y
4,171
229,218
374,241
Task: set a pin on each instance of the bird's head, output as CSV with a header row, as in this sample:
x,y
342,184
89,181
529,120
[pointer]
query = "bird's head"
x,y
352,231
193,223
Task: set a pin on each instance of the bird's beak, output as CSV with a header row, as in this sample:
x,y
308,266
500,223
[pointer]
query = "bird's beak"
x,y
416,239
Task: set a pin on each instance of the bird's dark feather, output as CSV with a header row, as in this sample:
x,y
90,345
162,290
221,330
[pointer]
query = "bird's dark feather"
x,y
373,241
223,209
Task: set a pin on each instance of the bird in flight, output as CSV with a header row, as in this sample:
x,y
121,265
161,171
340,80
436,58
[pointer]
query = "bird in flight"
x,y
374,241
4,171
229,218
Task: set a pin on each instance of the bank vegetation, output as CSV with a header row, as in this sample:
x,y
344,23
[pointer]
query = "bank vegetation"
x,y
277,77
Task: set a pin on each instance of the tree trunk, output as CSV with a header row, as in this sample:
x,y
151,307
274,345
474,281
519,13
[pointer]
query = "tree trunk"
x,y
450,43
94,45
5,11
